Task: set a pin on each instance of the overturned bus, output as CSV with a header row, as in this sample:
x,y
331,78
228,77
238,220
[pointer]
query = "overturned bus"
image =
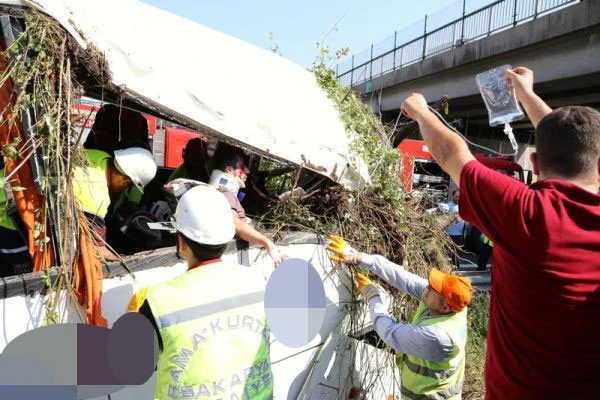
x,y
58,51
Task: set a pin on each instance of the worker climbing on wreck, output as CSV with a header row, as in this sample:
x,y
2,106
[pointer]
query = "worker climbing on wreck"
x,y
431,349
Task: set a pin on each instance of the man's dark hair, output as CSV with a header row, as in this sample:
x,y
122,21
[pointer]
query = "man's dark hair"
x,y
195,148
204,252
196,161
568,141
121,127
454,192
227,155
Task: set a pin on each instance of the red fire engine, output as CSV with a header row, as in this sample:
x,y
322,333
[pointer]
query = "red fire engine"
x,y
419,168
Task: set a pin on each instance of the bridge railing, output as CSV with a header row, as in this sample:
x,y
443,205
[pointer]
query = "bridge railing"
x,y
387,55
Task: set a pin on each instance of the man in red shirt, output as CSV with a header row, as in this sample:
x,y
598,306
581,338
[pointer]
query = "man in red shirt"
x,y
544,328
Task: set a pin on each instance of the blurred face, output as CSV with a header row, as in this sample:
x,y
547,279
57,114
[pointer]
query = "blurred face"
x,y
240,171
117,182
456,196
435,302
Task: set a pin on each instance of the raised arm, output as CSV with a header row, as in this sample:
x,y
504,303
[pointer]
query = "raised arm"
x,y
390,272
522,81
447,147
429,342
249,234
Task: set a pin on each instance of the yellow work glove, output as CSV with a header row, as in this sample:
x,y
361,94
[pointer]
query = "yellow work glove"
x,y
137,300
342,251
366,287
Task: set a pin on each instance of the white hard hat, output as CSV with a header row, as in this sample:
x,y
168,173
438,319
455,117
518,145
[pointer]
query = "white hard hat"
x,y
204,215
138,164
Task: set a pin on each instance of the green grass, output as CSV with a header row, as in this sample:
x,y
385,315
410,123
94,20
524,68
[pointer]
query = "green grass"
x,y
473,387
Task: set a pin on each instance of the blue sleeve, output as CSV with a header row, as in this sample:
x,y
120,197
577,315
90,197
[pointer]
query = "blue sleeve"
x,y
429,342
395,275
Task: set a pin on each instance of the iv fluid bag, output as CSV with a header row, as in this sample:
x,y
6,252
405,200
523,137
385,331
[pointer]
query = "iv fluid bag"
x,y
499,96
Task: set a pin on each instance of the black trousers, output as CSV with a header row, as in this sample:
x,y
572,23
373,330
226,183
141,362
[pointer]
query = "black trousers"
x,y
459,241
484,254
14,254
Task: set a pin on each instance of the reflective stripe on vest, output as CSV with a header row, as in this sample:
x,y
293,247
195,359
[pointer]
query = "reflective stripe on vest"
x,y
451,392
215,342
487,240
425,371
425,379
190,313
14,250
90,185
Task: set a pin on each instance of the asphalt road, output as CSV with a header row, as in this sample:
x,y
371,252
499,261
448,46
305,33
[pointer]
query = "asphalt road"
x,y
468,268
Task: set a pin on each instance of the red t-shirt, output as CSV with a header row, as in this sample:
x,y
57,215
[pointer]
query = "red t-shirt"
x,y
543,338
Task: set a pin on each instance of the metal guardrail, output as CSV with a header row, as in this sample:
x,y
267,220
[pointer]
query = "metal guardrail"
x,y
495,17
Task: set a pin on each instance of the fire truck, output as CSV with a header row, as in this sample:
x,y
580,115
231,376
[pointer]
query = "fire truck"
x,y
420,170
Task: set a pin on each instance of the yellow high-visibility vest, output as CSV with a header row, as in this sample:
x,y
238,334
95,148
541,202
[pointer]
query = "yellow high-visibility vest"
x,y
90,185
5,220
215,340
425,379
487,240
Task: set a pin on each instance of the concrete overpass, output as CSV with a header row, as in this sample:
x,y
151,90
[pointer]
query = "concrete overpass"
x,y
563,49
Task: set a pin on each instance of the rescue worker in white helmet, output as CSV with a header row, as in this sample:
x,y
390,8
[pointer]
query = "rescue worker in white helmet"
x,y
210,321
100,183
116,128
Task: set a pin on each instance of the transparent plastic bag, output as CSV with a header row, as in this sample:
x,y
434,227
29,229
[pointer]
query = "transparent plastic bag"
x,y
499,96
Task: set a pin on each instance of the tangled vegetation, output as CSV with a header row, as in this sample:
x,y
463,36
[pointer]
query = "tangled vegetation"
x,y
382,218
39,64
40,67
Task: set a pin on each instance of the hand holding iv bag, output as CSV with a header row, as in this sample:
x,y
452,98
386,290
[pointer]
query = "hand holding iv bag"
x,y
500,99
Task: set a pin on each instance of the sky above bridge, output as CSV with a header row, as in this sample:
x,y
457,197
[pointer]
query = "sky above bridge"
x,y
297,26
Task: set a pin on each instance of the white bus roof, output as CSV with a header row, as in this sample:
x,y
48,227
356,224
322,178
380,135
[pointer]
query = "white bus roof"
x,y
213,82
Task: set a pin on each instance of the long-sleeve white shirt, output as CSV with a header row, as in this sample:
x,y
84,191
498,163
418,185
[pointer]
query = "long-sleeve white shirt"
x,y
429,342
